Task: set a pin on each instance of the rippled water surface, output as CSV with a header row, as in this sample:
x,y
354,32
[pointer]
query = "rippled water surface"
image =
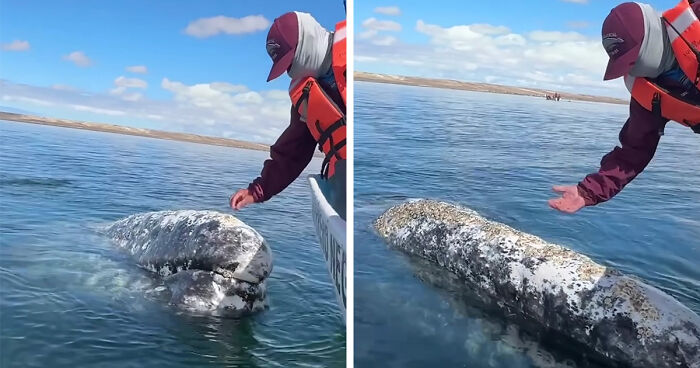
x,y
68,298
500,155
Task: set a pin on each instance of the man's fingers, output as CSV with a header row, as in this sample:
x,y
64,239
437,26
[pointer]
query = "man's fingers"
x,y
235,200
561,188
243,201
554,203
561,205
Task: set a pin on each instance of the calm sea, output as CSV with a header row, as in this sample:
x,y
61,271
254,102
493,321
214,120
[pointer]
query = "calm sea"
x,y
68,298
500,155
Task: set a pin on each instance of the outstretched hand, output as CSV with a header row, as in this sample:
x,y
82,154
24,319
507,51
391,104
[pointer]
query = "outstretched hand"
x,y
241,199
570,201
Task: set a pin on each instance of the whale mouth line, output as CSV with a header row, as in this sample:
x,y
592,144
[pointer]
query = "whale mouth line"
x,y
208,260
169,269
218,271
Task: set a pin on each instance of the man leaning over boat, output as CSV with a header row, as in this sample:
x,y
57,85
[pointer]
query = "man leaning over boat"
x,y
657,55
315,60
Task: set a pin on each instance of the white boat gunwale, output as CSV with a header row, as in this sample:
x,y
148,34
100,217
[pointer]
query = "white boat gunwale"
x,y
331,231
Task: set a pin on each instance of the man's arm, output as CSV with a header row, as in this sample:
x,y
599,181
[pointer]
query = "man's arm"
x,y
639,138
288,157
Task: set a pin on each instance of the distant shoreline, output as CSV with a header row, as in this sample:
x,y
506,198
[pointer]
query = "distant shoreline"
x,y
149,133
479,87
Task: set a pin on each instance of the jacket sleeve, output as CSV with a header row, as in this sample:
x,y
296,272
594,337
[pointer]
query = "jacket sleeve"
x,y
288,157
639,138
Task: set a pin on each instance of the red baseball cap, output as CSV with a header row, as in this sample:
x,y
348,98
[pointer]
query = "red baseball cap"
x,y
282,43
623,33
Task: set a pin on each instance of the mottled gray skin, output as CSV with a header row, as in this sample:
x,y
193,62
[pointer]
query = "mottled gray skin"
x,y
210,262
548,286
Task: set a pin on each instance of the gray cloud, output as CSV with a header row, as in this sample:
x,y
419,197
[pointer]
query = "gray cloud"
x,y
139,69
207,27
16,45
388,10
78,58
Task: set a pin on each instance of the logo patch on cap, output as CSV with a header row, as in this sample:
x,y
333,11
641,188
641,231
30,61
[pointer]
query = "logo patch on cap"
x,y
272,47
611,44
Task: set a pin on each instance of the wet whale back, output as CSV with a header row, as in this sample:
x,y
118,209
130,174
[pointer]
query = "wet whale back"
x,y
616,315
210,262
169,241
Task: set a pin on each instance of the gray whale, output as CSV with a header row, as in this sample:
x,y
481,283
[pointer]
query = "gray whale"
x,y
555,289
209,261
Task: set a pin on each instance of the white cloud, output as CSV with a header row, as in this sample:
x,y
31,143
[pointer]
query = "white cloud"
x,y
367,34
122,85
578,24
384,41
16,45
122,81
367,59
488,29
474,52
228,87
207,27
139,69
381,25
215,109
388,10
136,96
373,32
207,95
155,116
25,99
78,58
117,90
97,110
252,113
556,36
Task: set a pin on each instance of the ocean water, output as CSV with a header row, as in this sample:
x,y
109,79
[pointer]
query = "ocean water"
x,y
69,298
500,155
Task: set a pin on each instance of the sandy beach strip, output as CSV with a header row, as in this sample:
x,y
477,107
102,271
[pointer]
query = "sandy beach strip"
x,y
158,134
479,87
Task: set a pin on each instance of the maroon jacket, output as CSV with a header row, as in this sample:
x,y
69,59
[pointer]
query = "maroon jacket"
x,y
289,156
639,138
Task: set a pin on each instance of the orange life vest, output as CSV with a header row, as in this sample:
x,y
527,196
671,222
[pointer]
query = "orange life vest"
x,y
324,118
683,28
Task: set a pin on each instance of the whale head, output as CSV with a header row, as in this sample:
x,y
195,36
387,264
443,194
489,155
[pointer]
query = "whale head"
x,y
209,261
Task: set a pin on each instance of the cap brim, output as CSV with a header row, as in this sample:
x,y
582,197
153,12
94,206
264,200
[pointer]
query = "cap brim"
x,y
622,65
281,65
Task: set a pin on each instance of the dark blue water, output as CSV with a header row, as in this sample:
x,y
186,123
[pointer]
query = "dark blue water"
x,y
500,155
68,298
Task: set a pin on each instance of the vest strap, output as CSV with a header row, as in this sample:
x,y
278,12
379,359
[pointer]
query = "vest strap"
x,y
656,105
334,152
328,133
304,99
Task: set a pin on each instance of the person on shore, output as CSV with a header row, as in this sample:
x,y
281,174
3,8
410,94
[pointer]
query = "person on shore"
x,y
315,60
659,59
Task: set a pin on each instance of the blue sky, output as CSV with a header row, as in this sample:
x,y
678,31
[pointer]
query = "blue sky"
x,y
550,44
156,64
